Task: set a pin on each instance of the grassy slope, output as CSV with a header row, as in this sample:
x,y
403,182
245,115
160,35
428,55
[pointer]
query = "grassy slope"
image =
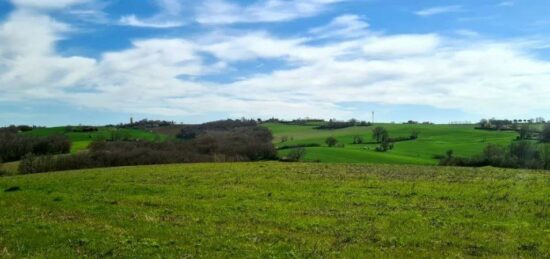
x,y
81,140
10,168
277,210
464,140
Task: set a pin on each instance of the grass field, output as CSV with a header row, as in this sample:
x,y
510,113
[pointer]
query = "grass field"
x,y
277,210
81,140
433,140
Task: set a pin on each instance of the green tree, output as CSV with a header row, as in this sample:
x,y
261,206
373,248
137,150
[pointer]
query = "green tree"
x,y
545,135
331,141
524,131
379,134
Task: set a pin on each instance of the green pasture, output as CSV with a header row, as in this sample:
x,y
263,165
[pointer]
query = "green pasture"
x,y
276,210
433,140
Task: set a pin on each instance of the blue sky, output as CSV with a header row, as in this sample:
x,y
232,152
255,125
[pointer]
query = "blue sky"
x,y
98,61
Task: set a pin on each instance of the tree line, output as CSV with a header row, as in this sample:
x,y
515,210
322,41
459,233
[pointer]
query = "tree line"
x,y
225,144
13,146
519,154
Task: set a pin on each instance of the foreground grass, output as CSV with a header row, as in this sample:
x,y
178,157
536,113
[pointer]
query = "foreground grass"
x,y
433,140
276,210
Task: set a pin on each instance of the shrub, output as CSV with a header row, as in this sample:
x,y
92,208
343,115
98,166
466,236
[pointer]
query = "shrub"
x,y
331,141
296,154
298,146
384,146
358,140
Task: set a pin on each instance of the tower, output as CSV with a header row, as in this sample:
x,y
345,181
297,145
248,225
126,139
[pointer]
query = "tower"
x,y
372,117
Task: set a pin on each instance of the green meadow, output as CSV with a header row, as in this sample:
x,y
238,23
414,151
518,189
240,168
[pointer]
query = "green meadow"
x,y
433,140
276,210
81,140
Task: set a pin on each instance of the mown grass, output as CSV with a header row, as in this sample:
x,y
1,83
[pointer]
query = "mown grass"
x,y
280,210
81,140
433,140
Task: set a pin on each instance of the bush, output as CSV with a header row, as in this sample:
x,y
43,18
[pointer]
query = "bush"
x,y
384,146
331,141
358,140
296,154
298,146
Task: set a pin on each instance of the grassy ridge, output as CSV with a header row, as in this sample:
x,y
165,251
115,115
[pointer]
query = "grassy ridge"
x,y
276,210
81,140
433,140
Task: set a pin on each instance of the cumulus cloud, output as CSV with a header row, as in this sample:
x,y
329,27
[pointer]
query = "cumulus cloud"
x,y
170,76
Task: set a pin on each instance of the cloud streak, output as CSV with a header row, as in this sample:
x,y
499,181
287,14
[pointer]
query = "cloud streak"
x,y
439,10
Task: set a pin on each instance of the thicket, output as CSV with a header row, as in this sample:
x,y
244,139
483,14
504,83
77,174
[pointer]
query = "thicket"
x,y
14,146
81,129
333,124
235,145
190,132
146,124
519,154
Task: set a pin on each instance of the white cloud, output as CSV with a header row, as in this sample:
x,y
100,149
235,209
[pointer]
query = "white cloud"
x,y
439,10
163,77
27,55
345,26
132,20
169,16
401,45
47,4
224,12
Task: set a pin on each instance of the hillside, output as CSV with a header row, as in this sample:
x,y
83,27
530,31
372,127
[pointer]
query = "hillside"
x,y
433,140
276,210
81,140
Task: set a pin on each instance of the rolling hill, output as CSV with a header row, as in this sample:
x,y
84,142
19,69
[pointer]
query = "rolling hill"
x,y
433,140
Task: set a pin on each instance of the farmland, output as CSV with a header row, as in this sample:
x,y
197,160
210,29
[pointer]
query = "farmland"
x,y
433,140
272,209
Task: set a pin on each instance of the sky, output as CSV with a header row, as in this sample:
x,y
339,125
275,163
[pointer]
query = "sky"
x,y
103,61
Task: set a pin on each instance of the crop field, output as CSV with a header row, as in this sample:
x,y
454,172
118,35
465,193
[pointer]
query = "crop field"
x,y
282,210
433,140
81,140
